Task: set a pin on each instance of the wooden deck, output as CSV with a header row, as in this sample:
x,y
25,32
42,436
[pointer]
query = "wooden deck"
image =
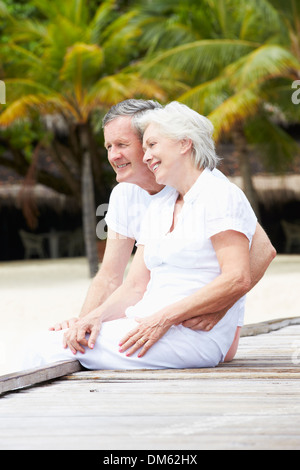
x,y
251,403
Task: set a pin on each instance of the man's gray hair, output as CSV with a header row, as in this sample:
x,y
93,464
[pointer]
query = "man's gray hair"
x,y
178,121
130,107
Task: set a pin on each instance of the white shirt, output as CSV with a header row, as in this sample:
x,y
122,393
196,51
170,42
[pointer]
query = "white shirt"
x,y
128,204
183,261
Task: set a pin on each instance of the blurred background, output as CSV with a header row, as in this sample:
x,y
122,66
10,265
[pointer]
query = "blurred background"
x,y
63,64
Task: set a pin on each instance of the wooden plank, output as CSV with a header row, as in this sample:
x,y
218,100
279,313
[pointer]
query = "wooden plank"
x,y
242,368
250,404
31,377
268,326
220,373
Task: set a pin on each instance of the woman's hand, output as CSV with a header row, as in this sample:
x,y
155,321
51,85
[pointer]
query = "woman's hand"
x,y
147,333
75,337
64,324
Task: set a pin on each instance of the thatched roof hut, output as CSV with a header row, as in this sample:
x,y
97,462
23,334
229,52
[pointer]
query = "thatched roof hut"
x,y
15,194
273,189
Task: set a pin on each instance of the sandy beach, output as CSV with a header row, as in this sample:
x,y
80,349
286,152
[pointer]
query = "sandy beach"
x,y
37,293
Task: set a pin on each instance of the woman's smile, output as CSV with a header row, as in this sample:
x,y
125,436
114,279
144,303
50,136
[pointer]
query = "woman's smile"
x,y
154,166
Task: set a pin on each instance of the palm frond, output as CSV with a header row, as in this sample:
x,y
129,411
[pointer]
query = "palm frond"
x,y
207,96
235,109
28,83
205,57
160,34
4,13
82,63
22,108
18,87
19,110
102,17
34,64
52,9
57,44
78,12
266,62
254,12
25,55
27,30
114,88
276,147
120,41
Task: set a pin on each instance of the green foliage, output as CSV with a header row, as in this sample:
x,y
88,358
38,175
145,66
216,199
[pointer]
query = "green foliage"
x,y
238,58
22,136
71,62
277,148
228,59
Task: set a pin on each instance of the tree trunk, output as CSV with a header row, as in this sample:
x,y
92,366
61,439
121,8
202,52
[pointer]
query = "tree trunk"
x,y
88,205
241,151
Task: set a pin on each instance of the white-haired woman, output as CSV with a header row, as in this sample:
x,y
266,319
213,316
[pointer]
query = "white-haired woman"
x,y
193,259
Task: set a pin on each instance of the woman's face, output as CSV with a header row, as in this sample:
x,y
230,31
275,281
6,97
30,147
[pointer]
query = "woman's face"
x,y
162,155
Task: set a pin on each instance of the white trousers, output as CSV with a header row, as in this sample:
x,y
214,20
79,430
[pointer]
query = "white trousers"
x,y
179,348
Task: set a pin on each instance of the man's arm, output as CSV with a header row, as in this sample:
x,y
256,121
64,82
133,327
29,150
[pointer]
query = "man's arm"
x,y
109,277
111,273
262,253
127,294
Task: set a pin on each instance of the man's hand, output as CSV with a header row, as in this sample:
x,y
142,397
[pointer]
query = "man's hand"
x,y
76,336
204,322
64,324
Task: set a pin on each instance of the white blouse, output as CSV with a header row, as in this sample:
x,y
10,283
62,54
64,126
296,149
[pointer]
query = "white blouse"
x,y
127,207
184,260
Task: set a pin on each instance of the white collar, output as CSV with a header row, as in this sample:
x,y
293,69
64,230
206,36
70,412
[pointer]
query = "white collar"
x,y
197,187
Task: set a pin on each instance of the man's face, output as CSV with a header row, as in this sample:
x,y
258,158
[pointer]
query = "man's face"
x,y
125,152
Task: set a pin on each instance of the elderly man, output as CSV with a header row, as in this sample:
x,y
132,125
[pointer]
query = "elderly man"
x,y
128,203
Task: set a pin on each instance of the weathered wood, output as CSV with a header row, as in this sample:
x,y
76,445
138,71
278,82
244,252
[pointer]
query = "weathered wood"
x,y
30,377
267,326
252,403
27,378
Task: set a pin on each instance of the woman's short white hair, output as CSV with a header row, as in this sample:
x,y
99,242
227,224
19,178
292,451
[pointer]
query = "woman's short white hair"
x,y
178,121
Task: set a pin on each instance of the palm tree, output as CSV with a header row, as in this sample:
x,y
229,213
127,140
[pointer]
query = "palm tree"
x,y
290,14
239,69
72,66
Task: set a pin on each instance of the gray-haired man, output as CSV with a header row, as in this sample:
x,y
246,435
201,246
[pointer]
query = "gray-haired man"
x,y
128,202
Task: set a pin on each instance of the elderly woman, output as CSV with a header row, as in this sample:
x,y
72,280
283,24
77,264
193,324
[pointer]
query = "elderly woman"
x,y
193,258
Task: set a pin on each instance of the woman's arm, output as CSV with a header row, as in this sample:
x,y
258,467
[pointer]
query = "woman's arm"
x,y
129,293
232,250
262,253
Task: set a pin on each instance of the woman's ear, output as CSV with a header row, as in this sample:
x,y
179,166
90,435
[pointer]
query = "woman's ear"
x,y
186,145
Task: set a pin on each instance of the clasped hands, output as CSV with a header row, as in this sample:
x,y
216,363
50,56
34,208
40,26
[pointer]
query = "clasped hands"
x,y
148,331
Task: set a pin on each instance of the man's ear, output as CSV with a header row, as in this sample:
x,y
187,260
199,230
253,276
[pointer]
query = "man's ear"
x,y
186,145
